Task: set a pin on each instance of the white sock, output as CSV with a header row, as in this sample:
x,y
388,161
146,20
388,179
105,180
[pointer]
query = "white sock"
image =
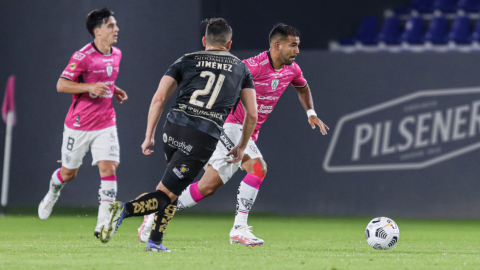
x,y
189,197
56,183
106,195
247,193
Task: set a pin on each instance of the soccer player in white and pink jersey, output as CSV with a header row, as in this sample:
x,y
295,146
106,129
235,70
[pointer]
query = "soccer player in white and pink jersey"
x,y
90,123
272,71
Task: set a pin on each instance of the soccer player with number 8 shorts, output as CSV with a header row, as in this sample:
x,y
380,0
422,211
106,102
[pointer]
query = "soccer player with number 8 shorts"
x,y
90,123
209,85
273,71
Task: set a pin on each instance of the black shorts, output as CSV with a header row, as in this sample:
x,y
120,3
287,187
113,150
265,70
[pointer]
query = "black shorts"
x,y
187,151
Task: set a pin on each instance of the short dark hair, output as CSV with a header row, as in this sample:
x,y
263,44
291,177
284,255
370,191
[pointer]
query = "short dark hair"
x,y
96,18
217,31
282,31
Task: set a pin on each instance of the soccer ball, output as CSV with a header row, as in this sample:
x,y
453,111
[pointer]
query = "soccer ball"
x,y
382,233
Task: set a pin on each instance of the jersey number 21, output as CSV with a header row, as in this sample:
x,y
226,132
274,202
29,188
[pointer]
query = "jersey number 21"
x,y
202,92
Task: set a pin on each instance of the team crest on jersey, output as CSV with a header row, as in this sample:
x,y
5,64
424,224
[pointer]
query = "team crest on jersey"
x,y
109,70
274,84
165,137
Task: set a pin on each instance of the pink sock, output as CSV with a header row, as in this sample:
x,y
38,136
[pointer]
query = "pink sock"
x,y
195,193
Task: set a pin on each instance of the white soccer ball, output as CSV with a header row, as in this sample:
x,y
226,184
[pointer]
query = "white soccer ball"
x,y
382,233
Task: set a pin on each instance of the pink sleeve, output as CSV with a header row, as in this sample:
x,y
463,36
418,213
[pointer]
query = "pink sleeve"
x,y
252,66
299,80
76,66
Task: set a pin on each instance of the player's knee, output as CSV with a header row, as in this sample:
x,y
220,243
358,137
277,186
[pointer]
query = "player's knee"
x,y
260,169
68,175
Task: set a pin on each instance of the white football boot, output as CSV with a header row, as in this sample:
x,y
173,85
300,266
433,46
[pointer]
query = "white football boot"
x,y
46,205
115,219
243,235
146,227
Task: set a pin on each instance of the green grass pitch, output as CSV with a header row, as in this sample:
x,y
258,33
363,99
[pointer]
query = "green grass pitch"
x,y
200,241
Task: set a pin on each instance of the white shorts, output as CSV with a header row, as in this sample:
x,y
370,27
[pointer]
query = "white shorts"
x,y
219,157
103,143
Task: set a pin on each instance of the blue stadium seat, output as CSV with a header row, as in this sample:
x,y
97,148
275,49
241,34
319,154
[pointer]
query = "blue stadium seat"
x,y
366,34
469,5
476,32
390,33
460,32
437,31
413,33
445,6
421,6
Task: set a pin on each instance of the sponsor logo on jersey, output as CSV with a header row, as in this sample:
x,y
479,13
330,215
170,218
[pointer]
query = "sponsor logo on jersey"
x,y
78,56
410,132
251,62
68,74
268,97
182,146
178,173
90,51
184,169
260,83
265,109
98,71
73,66
109,69
165,137
264,62
114,148
274,84
108,60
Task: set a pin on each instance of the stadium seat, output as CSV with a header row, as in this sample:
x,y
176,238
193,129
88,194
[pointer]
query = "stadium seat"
x,y
476,32
413,33
437,31
366,34
445,6
469,5
460,32
390,33
421,6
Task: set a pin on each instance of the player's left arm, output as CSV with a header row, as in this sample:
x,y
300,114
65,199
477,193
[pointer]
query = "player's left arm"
x,y
119,94
305,97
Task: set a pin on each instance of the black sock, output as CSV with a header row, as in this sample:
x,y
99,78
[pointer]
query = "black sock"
x,y
162,217
146,204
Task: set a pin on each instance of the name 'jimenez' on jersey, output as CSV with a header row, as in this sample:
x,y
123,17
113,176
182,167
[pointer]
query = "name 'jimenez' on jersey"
x,y
209,85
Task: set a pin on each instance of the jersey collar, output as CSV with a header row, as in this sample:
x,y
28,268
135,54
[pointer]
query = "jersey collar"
x,y
271,62
111,49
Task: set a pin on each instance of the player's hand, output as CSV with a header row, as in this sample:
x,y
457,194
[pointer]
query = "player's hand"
x,y
147,145
236,153
120,95
313,120
98,89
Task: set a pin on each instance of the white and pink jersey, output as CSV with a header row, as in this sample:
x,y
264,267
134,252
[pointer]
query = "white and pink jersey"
x,y
90,112
269,85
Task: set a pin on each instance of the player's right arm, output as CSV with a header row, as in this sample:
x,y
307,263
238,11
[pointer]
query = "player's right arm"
x,y
70,87
68,82
165,90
